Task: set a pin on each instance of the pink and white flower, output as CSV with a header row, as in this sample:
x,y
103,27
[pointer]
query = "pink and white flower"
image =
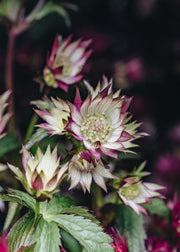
x,y
102,122
65,62
42,173
84,167
133,192
56,113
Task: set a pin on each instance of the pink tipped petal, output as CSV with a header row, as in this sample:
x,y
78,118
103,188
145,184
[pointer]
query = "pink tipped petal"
x,y
63,86
108,152
77,100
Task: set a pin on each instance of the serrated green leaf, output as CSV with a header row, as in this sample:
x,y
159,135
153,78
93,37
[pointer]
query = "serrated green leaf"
x,y
89,234
158,207
55,206
36,138
79,211
131,224
46,237
20,197
8,143
27,248
21,232
49,8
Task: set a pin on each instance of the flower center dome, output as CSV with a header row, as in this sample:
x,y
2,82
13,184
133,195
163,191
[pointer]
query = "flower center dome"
x,y
96,127
130,192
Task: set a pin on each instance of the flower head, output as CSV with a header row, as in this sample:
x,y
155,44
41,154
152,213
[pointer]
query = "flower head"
x,y
56,113
133,192
84,167
42,173
4,117
119,243
65,62
102,122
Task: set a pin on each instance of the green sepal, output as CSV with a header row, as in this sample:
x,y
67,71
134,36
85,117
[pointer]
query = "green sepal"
x,y
131,224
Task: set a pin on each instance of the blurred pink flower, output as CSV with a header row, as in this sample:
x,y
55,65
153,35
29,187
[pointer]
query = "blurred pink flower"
x,y
155,244
65,62
176,218
3,244
134,69
119,243
174,133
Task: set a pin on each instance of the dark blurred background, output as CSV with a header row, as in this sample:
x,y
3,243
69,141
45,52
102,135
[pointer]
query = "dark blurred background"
x,y
137,43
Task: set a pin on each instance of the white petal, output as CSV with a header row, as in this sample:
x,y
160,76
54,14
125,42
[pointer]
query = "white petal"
x,y
75,176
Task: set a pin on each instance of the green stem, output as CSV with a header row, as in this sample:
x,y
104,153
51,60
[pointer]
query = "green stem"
x,y
30,129
9,76
37,209
97,198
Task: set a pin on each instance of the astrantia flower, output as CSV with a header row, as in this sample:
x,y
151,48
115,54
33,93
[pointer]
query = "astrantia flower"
x,y
42,173
84,167
4,117
119,243
133,192
56,113
65,62
102,122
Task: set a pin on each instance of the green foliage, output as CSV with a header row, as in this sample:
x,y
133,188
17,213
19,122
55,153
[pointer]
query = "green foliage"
x,y
55,206
89,234
49,8
69,242
27,248
79,211
20,197
8,143
9,8
46,237
158,207
21,232
36,138
131,224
